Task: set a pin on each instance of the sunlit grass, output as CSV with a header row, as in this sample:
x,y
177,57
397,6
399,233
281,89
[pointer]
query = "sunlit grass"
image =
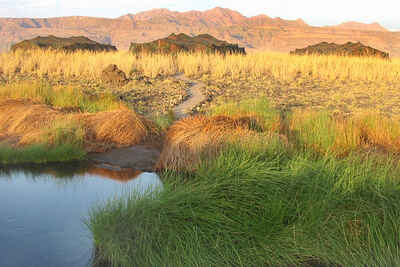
x,y
266,207
62,141
260,109
60,96
41,153
284,67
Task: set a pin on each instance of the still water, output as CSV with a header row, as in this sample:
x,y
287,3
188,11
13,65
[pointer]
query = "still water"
x,y
43,212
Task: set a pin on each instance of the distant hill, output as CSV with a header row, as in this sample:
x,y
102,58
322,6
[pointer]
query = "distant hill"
x,y
181,42
67,44
254,33
353,25
347,49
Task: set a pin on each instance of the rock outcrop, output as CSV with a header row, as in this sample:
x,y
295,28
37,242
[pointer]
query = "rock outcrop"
x,y
111,74
69,44
347,49
183,43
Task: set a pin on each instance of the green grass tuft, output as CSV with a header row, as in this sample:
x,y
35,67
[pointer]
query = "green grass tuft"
x,y
267,117
263,207
60,97
41,153
62,142
164,120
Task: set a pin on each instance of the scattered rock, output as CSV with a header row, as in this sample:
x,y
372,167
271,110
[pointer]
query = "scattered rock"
x,y
2,79
184,43
113,75
68,44
347,49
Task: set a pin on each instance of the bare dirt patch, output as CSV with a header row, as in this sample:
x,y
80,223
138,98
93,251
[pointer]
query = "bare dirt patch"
x,y
138,157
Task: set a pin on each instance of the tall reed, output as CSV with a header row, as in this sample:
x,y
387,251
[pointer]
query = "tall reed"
x,y
258,65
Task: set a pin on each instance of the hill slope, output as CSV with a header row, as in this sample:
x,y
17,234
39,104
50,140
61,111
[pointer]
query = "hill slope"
x,y
353,25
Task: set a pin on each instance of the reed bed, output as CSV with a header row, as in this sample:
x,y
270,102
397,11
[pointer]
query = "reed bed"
x,y
283,67
286,67
267,207
64,97
192,140
81,64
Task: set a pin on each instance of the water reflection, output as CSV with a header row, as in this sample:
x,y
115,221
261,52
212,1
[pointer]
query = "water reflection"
x,y
121,175
42,210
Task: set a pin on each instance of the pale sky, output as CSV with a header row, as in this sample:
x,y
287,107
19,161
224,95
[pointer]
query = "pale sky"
x,y
314,12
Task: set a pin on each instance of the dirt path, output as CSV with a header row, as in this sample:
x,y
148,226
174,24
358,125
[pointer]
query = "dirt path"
x,y
195,97
143,157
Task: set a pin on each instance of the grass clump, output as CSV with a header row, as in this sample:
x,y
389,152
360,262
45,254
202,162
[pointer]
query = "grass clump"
x,y
62,141
263,115
59,96
326,134
65,131
163,121
262,207
41,153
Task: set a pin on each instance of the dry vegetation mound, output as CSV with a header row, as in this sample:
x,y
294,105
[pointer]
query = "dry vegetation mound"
x,y
112,74
29,123
190,139
184,43
68,44
347,49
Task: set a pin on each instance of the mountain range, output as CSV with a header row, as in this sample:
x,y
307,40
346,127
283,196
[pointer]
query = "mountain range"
x,y
255,33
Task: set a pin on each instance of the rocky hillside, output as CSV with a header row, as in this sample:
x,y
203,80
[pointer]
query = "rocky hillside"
x,y
67,44
347,49
183,43
259,32
353,25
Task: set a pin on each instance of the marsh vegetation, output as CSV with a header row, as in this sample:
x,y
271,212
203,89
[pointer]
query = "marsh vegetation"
x,y
292,160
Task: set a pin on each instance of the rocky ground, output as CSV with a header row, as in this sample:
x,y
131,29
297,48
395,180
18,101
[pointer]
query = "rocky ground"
x,y
343,97
147,96
157,96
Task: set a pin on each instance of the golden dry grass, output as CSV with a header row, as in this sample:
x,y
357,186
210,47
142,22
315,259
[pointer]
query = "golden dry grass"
x,y
81,64
324,133
192,139
285,67
32,123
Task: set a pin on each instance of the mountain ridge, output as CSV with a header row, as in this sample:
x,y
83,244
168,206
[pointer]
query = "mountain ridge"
x,y
354,25
259,32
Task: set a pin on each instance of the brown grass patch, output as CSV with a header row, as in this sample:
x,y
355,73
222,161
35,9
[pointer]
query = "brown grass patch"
x,y
31,122
194,138
326,133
